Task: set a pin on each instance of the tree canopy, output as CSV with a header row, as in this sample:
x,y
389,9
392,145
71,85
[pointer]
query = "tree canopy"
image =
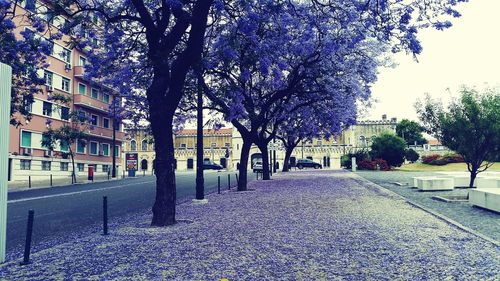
x,y
470,126
411,132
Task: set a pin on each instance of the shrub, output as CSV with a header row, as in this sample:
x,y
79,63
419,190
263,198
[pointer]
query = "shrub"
x,y
382,164
377,164
442,160
429,158
411,155
389,147
367,165
360,156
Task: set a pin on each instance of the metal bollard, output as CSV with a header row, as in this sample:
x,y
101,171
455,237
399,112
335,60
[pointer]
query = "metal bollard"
x,y
123,175
108,175
29,232
105,215
29,181
51,180
228,181
218,184
143,173
237,179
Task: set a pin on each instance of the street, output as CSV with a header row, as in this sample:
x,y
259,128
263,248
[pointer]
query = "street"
x,y
63,209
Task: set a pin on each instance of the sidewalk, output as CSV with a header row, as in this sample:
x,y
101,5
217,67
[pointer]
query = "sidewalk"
x,y
66,181
315,225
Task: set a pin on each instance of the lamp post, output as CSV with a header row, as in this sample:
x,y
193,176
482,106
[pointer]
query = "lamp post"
x,y
274,155
5,90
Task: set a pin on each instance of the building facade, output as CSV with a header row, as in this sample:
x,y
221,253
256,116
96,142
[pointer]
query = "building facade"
x,y
224,146
64,75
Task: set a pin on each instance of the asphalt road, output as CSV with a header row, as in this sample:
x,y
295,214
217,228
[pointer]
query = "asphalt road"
x,y
62,209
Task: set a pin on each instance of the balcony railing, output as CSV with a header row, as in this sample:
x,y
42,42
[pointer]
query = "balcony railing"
x,y
88,102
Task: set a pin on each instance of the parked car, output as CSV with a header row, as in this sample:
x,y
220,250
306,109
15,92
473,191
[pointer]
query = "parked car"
x,y
306,163
211,166
257,167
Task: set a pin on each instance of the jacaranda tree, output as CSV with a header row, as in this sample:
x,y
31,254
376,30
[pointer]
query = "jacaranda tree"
x,y
267,59
25,54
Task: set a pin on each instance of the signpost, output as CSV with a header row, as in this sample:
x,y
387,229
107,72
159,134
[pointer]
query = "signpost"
x,y
131,163
5,90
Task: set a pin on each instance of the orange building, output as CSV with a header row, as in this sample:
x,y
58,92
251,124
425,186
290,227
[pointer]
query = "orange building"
x,y
64,75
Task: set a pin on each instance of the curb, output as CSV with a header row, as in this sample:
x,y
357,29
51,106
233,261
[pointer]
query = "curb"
x,y
434,213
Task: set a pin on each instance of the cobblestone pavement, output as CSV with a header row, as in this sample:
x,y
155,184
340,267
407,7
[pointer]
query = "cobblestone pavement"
x,y
481,220
317,225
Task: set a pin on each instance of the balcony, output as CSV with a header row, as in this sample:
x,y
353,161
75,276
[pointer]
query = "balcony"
x,y
106,133
79,71
88,102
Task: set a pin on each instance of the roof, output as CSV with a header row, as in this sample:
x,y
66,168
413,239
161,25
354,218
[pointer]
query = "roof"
x,y
433,142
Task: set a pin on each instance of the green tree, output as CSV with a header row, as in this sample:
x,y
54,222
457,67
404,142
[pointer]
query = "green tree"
x,y
68,133
411,155
411,132
470,126
389,147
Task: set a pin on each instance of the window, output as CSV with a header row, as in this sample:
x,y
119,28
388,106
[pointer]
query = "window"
x,y
94,93
80,146
64,113
94,119
144,145
105,122
95,19
46,165
25,164
82,61
28,105
45,139
49,16
80,167
105,149
65,84
214,145
82,89
66,55
82,115
133,145
117,150
64,166
105,168
64,146
94,148
47,109
49,77
105,98
26,139
320,143
227,144
183,145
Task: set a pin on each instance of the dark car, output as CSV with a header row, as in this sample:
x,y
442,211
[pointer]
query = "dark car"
x,y
306,163
211,166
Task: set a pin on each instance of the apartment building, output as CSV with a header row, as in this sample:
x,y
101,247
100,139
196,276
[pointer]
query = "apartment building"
x,y
64,75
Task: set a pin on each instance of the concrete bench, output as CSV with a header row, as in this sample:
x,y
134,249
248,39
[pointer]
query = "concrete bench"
x,y
462,180
488,182
416,179
488,198
435,184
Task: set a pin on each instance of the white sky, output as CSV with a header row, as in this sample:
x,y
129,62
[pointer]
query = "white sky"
x,y
466,54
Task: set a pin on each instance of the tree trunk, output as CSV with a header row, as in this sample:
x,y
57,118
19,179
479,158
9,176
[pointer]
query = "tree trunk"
x,y
243,172
164,206
73,174
473,175
265,161
286,163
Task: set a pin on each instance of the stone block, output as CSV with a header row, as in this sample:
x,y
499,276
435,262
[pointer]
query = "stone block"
x,y
435,184
488,198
